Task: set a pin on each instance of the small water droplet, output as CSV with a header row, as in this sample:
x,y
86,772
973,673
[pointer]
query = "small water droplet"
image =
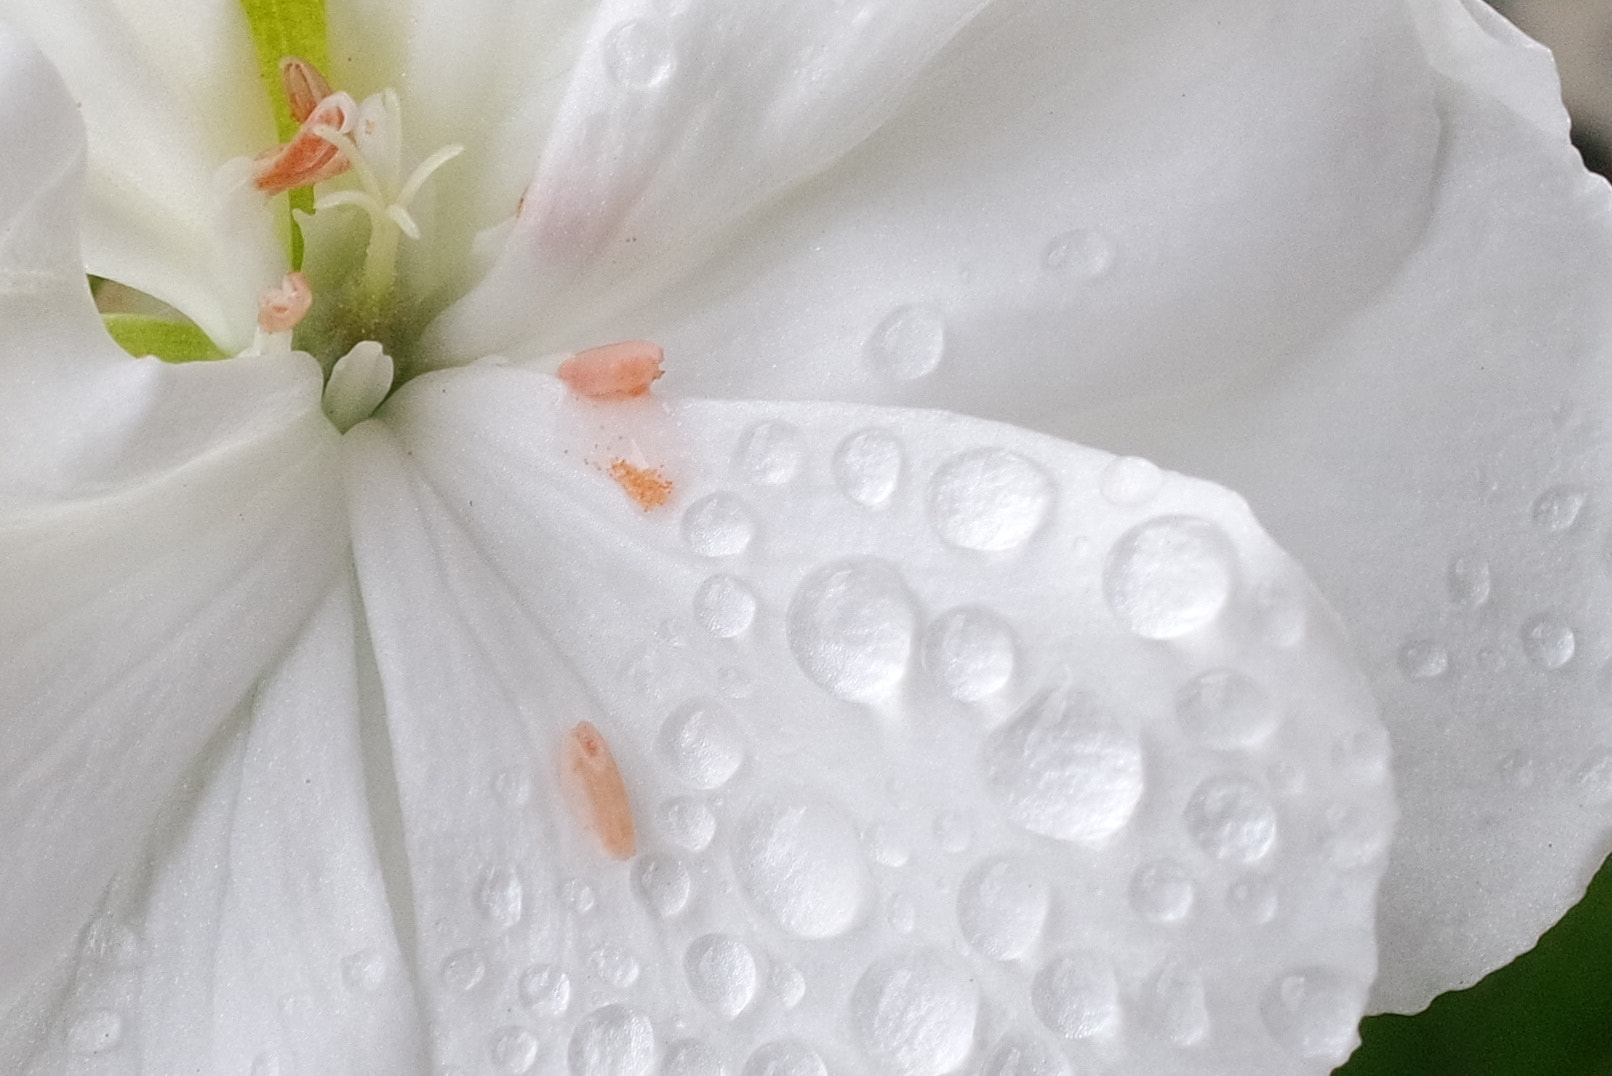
x,y
638,55
1469,581
1178,1006
613,1041
1423,659
663,882
698,742
688,823
545,989
914,1013
718,525
1002,907
364,971
1593,778
1077,996
725,606
690,1057
110,942
513,787
800,863
989,500
1312,1012
1252,899
1170,576
851,628
970,653
500,896
613,966
908,344
96,1031
787,983
1558,508
1083,253
463,970
883,847
769,454
579,896
1232,819
1130,480
1548,641
785,1058
513,1050
1226,710
721,973
1021,1055
868,466
1162,892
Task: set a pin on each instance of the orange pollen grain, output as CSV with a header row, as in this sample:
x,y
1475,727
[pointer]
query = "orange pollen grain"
x,y
594,788
613,372
647,486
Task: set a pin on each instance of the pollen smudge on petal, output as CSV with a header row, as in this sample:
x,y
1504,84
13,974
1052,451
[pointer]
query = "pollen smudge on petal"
x,y
613,372
309,157
595,790
647,486
282,309
304,86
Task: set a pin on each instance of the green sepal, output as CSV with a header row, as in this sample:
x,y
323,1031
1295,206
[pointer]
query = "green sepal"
x,y
168,340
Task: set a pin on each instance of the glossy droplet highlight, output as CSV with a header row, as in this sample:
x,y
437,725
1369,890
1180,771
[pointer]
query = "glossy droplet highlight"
x,y
1226,710
545,989
719,525
989,500
500,896
1548,641
1083,253
785,1058
908,344
1130,480
663,883
1423,659
851,628
1077,996
721,972
1312,1012
724,606
96,1031
513,1050
638,55
769,454
868,466
969,653
1162,892
613,1041
914,1013
1232,819
699,742
1469,581
1002,907
1170,576
1558,508
800,864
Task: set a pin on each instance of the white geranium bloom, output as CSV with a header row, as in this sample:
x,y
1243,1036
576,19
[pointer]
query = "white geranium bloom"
x,y
948,746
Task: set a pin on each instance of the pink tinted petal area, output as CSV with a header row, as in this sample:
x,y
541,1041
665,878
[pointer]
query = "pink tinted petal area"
x,y
308,158
282,309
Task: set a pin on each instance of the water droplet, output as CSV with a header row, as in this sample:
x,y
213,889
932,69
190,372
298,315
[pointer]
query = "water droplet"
x,y
1063,772
1021,1055
699,744
500,896
1162,892
785,1058
953,832
787,984
851,628
463,970
1232,819
638,55
719,525
1548,641
110,942
725,606
688,823
1312,1012
545,989
613,1041
513,1050
1002,907
579,896
96,1031
613,966
1423,659
800,864
1082,253
1177,1005
1169,576
690,1057
914,1013
1077,996
663,882
1593,778
513,787
989,499
1558,508
721,973
867,466
364,971
1469,581
1226,710
1252,899
770,454
970,653
1130,480
908,344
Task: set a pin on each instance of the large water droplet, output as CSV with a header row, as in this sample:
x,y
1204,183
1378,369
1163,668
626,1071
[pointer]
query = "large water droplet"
x,y
500,896
1077,996
691,1057
638,55
800,863
1083,253
663,882
1558,508
970,653
1548,641
463,970
851,628
718,526
1170,576
1423,659
96,1031
1232,819
785,1058
1002,907
699,743
868,466
613,1041
1226,710
914,1013
989,499
1063,772
908,344
364,971
1162,892
721,973
770,454
1469,580
513,1050
725,606
1312,1012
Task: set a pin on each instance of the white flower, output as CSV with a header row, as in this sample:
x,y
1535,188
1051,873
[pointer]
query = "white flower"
x,y
948,744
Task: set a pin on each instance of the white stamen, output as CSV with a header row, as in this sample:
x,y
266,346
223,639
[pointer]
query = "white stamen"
x,y
358,383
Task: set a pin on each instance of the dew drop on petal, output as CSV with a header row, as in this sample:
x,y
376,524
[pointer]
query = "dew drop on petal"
x,y
1178,1006
851,628
1226,710
663,883
613,1041
867,467
1232,819
721,973
95,1031
1548,641
613,966
638,55
1593,777
1021,1055
545,989
1077,996
1252,899
1169,576
698,742
770,454
914,1013
719,525
513,1050
1312,1012
1162,892
688,823
690,1057
1423,659
1558,508
908,344
1469,580
785,1058
463,970
111,942
724,606
1002,907
800,863
579,896
786,983
989,500
970,653
500,896
1130,480
1082,253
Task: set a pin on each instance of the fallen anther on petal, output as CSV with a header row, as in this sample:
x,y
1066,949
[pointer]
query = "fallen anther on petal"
x,y
595,790
613,372
309,157
647,486
304,86
281,309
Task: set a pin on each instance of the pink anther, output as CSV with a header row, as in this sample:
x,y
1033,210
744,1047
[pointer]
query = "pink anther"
x,y
281,309
304,86
308,158
613,372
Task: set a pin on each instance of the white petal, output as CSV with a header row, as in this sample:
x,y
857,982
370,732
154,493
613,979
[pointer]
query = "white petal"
x,y
164,531
169,92
260,940
943,740
678,121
